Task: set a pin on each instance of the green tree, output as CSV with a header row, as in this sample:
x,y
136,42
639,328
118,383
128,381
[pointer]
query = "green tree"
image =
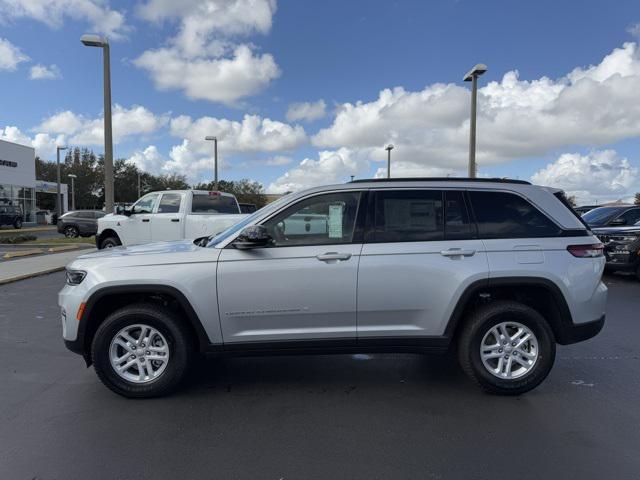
x,y
637,200
245,190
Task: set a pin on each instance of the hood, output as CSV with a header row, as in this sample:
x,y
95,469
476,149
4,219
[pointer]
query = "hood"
x,y
146,249
112,217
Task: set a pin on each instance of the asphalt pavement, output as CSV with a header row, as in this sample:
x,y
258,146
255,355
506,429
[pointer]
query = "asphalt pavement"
x,y
316,417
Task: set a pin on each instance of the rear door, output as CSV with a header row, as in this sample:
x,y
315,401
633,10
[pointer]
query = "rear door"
x,y
421,251
168,222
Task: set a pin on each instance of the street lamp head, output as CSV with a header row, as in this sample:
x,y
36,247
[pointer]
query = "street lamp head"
x,y
71,175
389,147
209,137
476,71
61,148
91,40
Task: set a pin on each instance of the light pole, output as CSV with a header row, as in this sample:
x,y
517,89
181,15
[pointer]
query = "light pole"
x,y
73,190
138,184
472,76
102,42
388,148
58,199
215,156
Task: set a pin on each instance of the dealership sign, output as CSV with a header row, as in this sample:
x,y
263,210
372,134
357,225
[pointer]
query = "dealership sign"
x,y
8,163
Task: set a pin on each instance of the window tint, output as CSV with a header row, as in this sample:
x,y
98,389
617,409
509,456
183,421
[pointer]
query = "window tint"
x,y
145,204
320,220
506,215
408,216
457,225
170,203
214,203
631,216
83,214
100,214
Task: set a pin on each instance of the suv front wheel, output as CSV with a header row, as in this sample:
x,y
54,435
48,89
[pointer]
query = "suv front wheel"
x,y
507,348
141,351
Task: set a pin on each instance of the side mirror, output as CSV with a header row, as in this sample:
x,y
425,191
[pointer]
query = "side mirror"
x,y
618,221
254,236
127,211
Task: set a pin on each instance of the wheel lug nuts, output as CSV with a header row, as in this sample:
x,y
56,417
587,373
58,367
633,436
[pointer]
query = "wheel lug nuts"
x,y
506,356
133,347
504,343
133,356
147,353
499,350
513,344
143,345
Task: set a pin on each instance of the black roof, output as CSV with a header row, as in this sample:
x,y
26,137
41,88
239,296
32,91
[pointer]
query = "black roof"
x,y
443,179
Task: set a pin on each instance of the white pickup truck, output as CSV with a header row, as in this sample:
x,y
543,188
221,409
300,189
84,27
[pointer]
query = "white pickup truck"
x,y
169,215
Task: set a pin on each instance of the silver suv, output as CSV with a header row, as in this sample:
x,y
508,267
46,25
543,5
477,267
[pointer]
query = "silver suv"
x,y
499,269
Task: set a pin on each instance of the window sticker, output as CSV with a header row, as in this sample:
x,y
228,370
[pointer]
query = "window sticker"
x,y
335,220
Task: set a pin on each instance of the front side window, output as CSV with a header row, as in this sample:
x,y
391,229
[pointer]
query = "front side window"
x,y
320,220
408,216
506,215
145,204
214,203
170,203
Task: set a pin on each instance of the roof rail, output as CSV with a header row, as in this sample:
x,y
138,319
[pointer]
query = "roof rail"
x,y
442,179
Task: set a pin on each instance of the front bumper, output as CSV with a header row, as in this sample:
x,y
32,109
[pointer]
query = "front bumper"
x,y
618,260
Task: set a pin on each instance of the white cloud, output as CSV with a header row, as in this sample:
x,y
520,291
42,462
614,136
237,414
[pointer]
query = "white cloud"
x,y
44,143
10,55
200,20
330,167
203,59
634,29
278,160
306,111
590,106
80,130
253,134
42,72
148,160
97,13
598,175
224,80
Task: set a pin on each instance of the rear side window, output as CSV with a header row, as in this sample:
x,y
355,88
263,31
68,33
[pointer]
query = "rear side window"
x,y
506,215
631,216
457,225
214,203
170,203
408,216
84,214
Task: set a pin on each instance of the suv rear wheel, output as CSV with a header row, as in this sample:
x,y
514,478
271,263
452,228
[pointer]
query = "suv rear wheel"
x,y
141,351
507,348
71,231
18,223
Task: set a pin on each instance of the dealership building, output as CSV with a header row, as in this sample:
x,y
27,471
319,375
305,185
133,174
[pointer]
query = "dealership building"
x,y
18,184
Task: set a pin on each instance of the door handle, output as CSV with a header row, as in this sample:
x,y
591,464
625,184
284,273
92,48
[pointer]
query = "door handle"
x,y
175,219
457,252
333,257
145,220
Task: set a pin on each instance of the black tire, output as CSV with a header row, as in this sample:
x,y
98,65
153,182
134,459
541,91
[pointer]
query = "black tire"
x,y
480,322
71,232
17,224
181,350
110,242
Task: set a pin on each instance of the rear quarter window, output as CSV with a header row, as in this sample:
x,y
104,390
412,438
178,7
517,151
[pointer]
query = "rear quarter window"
x,y
214,204
507,215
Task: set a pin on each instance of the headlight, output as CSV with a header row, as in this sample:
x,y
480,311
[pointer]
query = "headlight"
x,y
75,277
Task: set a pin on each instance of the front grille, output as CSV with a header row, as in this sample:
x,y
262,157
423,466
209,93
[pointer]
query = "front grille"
x,y
605,238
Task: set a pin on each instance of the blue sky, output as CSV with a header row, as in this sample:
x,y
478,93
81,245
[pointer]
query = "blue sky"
x,y
233,68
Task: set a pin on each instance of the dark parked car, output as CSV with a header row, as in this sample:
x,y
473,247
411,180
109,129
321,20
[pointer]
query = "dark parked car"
x,y
618,216
10,215
247,207
621,247
80,223
585,208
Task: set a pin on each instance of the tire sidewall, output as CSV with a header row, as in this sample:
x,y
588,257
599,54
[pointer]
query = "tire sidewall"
x,y
179,352
546,348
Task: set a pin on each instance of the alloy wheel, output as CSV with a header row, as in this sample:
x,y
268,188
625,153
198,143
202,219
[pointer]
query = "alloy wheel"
x,y
139,353
509,350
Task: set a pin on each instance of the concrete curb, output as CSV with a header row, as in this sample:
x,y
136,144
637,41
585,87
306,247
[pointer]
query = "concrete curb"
x,y
30,275
23,253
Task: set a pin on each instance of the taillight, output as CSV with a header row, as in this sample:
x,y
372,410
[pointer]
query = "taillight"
x,y
586,251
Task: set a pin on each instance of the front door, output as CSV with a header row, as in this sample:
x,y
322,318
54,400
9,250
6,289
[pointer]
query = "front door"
x,y
137,228
168,222
420,253
302,286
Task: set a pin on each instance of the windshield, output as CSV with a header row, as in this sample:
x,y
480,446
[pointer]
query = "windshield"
x,y
214,240
600,216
